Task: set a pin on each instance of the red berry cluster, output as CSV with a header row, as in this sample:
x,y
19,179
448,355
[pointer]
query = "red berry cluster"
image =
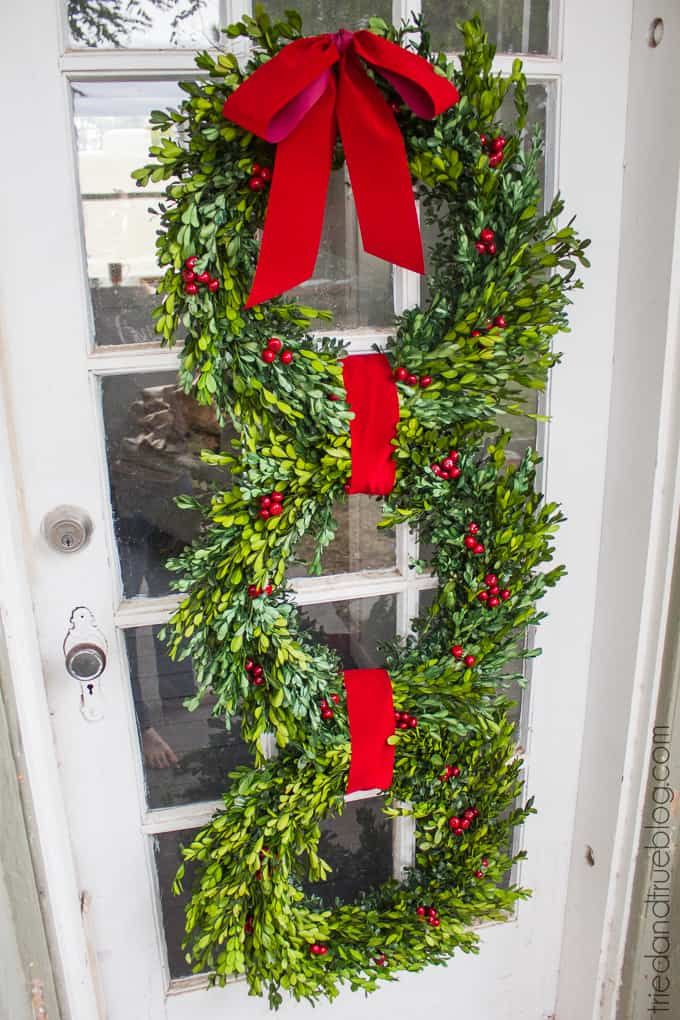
x,y
260,177
479,873
326,710
429,914
460,825
450,772
254,590
494,594
499,323
271,505
447,467
273,350
402,374
471,540
194,280
316,949
256,673
486,242
404,721
381,961
494,147
249,926
458,653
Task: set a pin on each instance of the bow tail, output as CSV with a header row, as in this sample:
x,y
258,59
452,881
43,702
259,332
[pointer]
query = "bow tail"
x,y
382,188
291,238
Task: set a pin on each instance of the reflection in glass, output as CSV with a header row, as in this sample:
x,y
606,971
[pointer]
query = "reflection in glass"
x,y
168,859
514,26
358,544
187,755
355,286
113,136
354,628
193,24
358,846
154,437
330,15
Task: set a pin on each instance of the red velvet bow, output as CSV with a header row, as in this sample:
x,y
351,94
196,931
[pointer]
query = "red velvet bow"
x,y
300,99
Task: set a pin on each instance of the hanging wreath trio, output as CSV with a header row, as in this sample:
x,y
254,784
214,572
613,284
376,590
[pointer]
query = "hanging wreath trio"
x,y
416,425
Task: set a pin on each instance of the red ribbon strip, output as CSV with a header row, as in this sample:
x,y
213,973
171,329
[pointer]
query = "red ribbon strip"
x,y
372,395
301,98
370,711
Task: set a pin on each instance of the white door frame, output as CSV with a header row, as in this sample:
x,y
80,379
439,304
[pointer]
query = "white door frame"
x,y
32,291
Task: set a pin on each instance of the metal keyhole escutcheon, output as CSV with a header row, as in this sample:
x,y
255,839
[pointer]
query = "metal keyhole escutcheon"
x,y
85,660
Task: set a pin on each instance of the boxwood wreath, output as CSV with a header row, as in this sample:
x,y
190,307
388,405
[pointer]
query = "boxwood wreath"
x,y
500,274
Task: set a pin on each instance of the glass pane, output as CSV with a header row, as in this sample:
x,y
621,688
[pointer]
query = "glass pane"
x,y
113,137
168,859
358,847
355,628
187,755
355,286
147,24
331,15
514,26
358,544
154,437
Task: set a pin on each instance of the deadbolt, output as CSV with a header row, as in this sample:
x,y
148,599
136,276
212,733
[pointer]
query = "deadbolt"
x,y
67,528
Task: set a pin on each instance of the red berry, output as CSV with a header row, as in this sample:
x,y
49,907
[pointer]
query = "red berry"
x,y
256,170
191,288
493,602
483,141
265,174
253,591
469,661
490,579
481,250
276,496
268,356
477,332
432,912
448,463
264,513
455,771
381,960
456,472
479,874
274,344
256,184
323,703
258,670
203,277
403,725
327,713
335,698
276,510
478,549
470,542
412,722
475,811
269,589
214,286
500,322
457,651
454,823
188,275
425,381
473,528
191,261
483,596
412,380
486,235
491,249
265,501
248,926
498,144
401,374
286,357
435,922
435,469
469,813
495,160
505,594
493,590
485,862
249,665
454,455
465,824
258,681
420,911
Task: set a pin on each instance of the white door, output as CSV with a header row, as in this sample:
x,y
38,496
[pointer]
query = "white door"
x,y
100,425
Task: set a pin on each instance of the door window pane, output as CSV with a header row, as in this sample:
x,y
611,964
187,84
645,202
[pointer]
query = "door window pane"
x,y
168,859
330,15
358,544
354,628
113,138
186,755
154,437
514,26
146,24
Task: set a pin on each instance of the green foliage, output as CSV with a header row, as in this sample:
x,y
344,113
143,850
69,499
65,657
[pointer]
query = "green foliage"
x,y
248,912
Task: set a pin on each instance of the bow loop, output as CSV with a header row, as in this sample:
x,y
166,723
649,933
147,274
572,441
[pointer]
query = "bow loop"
x,y
300,99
